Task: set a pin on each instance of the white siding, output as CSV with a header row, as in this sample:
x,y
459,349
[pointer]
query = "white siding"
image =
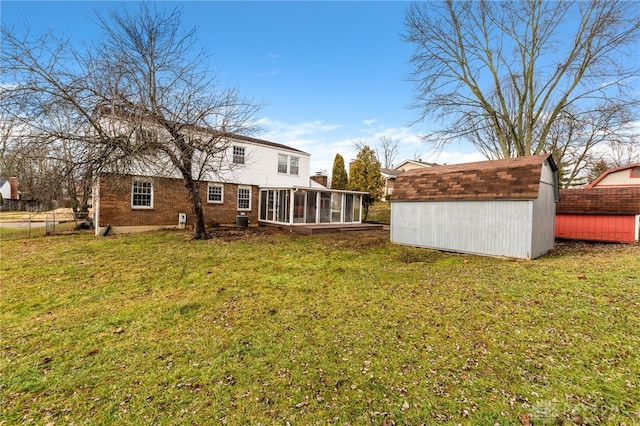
x,y
5,190
494,228
261,167
544,214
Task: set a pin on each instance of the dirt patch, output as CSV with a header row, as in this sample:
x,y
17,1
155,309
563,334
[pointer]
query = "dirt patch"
x,y
229,233
568,247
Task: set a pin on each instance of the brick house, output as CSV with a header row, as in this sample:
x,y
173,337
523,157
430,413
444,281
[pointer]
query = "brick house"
x,y
267,183
494,208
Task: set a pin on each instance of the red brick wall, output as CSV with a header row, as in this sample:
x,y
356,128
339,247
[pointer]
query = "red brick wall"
x,y
170,198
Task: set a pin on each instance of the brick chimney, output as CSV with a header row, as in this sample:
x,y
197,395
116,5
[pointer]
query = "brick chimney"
x,y
13,184
320,178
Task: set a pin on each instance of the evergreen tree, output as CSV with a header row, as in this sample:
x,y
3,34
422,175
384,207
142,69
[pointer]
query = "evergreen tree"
x,y
597,169
339,178
364,175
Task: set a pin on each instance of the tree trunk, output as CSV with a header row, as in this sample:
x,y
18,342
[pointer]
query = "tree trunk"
x,y
199,229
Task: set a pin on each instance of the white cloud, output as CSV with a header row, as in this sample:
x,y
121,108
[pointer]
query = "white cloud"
x,y
324,140
369,122
286,132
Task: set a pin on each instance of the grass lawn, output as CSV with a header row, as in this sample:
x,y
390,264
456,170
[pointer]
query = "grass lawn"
x,y
380,212
264,327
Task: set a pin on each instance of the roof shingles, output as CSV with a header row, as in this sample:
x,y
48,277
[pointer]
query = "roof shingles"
x,y
508,179
615,201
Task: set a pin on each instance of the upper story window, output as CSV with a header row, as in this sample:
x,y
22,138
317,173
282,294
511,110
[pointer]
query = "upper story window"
x,y
215,193
238,154
635,172
288,164
142,194
282,163
293,165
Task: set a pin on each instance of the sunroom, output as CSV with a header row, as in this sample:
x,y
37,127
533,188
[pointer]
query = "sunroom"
x,y
307,206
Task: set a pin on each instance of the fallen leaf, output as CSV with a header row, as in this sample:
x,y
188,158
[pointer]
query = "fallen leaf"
x,y
118,330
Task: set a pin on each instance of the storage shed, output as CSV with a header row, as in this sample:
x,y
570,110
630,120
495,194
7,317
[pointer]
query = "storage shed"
x,y
599,214
494,208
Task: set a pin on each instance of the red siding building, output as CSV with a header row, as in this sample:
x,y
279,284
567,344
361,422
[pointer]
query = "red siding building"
x,y
609,214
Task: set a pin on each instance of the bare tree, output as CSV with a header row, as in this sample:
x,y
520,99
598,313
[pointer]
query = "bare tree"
x,y
147,71
140,100
388,151
504,74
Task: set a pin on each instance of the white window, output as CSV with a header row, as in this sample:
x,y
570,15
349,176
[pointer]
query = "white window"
x,y
244,198
288,164
142,194
238,154
282,163
293,165
215,193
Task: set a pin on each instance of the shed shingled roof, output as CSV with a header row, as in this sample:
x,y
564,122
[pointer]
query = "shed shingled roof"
x,y
508,179
613,201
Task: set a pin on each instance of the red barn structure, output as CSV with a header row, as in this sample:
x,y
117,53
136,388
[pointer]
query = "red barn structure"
x,y
608,209
600,213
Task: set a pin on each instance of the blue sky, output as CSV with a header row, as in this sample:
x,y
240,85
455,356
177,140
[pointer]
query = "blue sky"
x,y
329,73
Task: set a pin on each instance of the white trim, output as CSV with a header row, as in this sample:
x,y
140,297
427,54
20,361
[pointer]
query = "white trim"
x,y
240,187
234,155
137,180
216,185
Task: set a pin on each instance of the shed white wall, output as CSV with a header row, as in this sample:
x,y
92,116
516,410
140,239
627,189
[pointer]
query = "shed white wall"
x,y
544,214
494,228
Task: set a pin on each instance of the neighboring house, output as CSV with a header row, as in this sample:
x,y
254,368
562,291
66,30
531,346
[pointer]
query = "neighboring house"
x,y
390,175
606,210
10,194
407,165
495,208
618,177
269,183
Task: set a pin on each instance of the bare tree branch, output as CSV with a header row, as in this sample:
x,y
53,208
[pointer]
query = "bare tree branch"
x,y
502,74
